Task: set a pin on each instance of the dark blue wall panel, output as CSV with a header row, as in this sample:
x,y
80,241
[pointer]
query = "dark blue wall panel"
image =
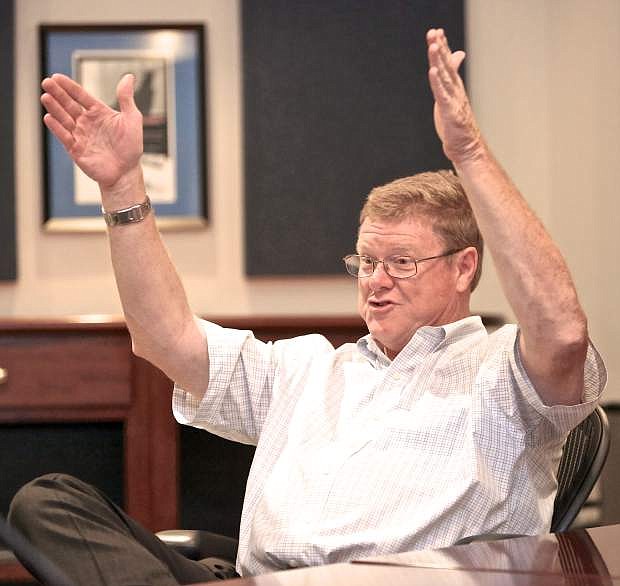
x,y
336,101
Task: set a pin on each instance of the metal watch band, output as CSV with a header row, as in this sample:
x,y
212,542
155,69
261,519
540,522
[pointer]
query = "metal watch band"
x,y
129,215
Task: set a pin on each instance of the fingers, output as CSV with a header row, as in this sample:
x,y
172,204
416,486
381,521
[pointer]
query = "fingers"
x,y
440,82
74,90
440,67
59,131
65,99
60,97
441,55
57,111
443,63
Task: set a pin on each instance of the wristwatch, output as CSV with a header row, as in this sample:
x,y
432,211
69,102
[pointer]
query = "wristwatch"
x,y
130,215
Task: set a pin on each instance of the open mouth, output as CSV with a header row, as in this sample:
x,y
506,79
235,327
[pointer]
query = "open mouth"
x,y
379,304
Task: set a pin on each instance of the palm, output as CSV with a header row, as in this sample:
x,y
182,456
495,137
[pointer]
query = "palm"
x,y
456,129
107,143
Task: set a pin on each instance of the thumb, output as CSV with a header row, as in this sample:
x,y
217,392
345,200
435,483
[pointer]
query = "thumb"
x,y
124,93
456,59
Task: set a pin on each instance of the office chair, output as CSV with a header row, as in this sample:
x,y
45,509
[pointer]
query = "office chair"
x,y
583,458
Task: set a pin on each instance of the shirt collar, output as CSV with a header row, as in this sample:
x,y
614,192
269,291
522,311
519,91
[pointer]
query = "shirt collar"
x,y
425,340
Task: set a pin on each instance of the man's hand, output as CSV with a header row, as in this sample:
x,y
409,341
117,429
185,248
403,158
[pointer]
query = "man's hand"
x,y
454,119
104,143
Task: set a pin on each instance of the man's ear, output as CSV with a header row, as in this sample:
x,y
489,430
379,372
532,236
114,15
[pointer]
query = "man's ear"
x,y
466,263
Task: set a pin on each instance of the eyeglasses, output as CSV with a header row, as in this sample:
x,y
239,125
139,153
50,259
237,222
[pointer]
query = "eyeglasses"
x,y
397,266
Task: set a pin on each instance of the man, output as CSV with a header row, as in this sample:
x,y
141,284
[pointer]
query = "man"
x,y
423,432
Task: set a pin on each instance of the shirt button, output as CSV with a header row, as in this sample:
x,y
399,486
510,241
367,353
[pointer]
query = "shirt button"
x,y
397,376
293,564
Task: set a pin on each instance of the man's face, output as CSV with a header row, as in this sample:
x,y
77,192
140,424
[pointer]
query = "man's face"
x,y
394,309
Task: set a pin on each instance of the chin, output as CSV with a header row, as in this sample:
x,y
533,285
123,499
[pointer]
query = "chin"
x,y
380,334
386,337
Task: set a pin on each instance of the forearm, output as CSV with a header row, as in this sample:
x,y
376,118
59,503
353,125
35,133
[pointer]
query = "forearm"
x,y
154,302
532,271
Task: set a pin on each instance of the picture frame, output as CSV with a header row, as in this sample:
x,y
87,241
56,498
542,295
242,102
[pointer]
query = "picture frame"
x,y
168,61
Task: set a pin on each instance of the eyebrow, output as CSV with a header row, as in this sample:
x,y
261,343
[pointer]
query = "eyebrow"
x,y
393,252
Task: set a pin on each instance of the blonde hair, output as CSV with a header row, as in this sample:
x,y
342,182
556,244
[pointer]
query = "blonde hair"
x,y
436,195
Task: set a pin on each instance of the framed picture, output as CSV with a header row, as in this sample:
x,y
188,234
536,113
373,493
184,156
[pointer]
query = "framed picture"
x,y
168,64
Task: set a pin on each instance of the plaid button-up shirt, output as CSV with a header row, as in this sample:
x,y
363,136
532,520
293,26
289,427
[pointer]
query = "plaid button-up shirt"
x,y
357,455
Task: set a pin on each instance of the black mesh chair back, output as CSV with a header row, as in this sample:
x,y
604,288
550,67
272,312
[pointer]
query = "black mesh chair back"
x,y
583,458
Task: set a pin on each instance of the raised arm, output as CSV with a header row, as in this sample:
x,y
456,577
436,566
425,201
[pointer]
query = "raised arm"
x,y
553,333
107,146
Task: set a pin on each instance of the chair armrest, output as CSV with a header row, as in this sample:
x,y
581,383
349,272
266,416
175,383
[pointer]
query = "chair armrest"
x,y
197,544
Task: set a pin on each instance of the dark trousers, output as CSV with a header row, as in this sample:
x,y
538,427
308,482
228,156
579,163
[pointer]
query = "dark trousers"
x,y
93,540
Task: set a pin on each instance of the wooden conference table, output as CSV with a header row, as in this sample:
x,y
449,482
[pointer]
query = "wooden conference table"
x,y
585,557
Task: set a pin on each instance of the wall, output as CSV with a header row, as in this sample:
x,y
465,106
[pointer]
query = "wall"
x,y
541,83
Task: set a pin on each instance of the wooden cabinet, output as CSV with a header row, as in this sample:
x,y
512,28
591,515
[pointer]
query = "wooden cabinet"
x,y
81,370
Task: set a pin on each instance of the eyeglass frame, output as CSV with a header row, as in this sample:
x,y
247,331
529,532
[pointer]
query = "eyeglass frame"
x,y
377,261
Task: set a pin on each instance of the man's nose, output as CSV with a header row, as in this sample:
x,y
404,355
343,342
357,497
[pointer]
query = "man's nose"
x,y
380,277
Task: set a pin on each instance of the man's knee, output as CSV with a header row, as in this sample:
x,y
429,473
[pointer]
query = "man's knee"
x,y
32,500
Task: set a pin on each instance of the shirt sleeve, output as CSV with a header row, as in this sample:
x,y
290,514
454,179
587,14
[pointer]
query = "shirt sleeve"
x,y
246,376
564,417
239,389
